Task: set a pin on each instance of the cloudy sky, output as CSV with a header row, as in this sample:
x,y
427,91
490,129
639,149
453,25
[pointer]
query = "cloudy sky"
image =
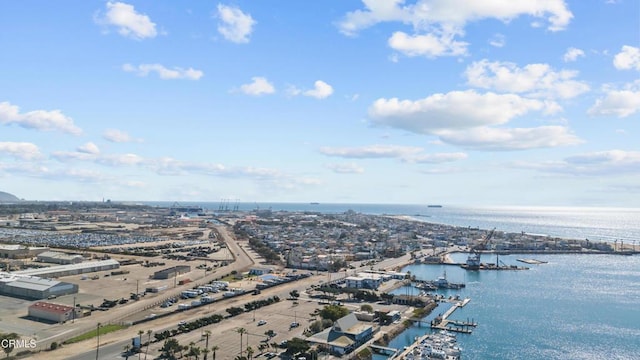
x,y
465,102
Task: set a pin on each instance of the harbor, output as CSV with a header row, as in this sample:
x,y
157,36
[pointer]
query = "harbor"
x,y
444,323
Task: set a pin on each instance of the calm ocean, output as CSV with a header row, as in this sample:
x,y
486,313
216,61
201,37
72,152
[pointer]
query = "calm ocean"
x,y
574,307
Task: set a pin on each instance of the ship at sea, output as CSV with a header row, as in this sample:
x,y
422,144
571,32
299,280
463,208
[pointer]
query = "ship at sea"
x,y
434,206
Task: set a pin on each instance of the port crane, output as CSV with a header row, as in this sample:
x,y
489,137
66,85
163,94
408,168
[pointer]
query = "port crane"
x,y
473,261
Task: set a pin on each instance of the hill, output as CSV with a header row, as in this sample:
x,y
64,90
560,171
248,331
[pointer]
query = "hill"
x,y
6,197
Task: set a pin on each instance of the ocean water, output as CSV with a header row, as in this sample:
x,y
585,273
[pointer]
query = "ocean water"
x,y
574,307
582,307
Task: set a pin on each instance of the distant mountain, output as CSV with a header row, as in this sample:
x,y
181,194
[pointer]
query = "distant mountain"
x,y
6,197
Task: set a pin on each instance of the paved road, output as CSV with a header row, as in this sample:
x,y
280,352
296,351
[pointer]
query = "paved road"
x,y
241,263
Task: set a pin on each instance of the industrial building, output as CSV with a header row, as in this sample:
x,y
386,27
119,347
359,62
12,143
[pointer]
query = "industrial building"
x,y
72,269
32,287
171,272
54,312
56,257
15,251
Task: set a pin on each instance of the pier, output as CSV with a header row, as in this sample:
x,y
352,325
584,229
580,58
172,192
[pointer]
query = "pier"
x,y
443,322
392,352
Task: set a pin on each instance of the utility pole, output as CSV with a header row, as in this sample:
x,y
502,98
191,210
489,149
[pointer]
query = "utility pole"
x,y
73,314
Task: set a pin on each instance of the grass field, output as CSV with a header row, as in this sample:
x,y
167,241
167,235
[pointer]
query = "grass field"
x,y
104,329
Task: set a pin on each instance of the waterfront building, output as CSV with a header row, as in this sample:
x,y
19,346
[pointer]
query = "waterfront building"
x,y
346,335
364,281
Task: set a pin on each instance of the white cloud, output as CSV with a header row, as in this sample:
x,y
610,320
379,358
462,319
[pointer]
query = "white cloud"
x,y
618,102
425,13
497,40
533,79
20,150
486,138
259,86
372,152
437,158
409,154
163,72
89,148
129,22
350,168
65,156
436,23
235,25
572,54
601,163
321,90
429,45
118,136
450,111
53,120
120,160
628,58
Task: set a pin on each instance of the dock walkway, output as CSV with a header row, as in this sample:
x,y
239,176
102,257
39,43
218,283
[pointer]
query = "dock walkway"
x,y
443,322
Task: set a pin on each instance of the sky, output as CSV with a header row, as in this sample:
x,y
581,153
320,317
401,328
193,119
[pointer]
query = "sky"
x,y
454,102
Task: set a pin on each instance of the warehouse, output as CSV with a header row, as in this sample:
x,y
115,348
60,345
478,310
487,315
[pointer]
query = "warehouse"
x,y
53,312
56,257
31,287
15,251
171,272
72,269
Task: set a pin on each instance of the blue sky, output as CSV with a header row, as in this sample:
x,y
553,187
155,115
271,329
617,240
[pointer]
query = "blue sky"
x,y
464,102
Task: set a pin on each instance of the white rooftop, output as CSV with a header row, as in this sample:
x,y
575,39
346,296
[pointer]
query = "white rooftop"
x,y
47,270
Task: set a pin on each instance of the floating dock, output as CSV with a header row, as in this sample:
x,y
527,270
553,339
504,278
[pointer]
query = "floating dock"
x,y
443,322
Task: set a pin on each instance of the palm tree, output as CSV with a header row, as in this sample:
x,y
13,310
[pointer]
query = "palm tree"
x,y
148,343
206,352
207,333
213,351
241,331
250,352
126,349
140,332
193,351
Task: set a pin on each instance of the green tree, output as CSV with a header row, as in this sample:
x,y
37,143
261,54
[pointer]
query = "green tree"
x,y
8,347
297,346
333,312
207,333
250,352
294,294
214,348
149,332
170,348
241,331
140,333
367,308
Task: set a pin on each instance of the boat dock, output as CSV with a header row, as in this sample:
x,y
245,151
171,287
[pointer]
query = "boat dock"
x,y
443,322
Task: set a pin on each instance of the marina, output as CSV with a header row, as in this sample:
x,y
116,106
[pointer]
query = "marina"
x,y
439,345
443,322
